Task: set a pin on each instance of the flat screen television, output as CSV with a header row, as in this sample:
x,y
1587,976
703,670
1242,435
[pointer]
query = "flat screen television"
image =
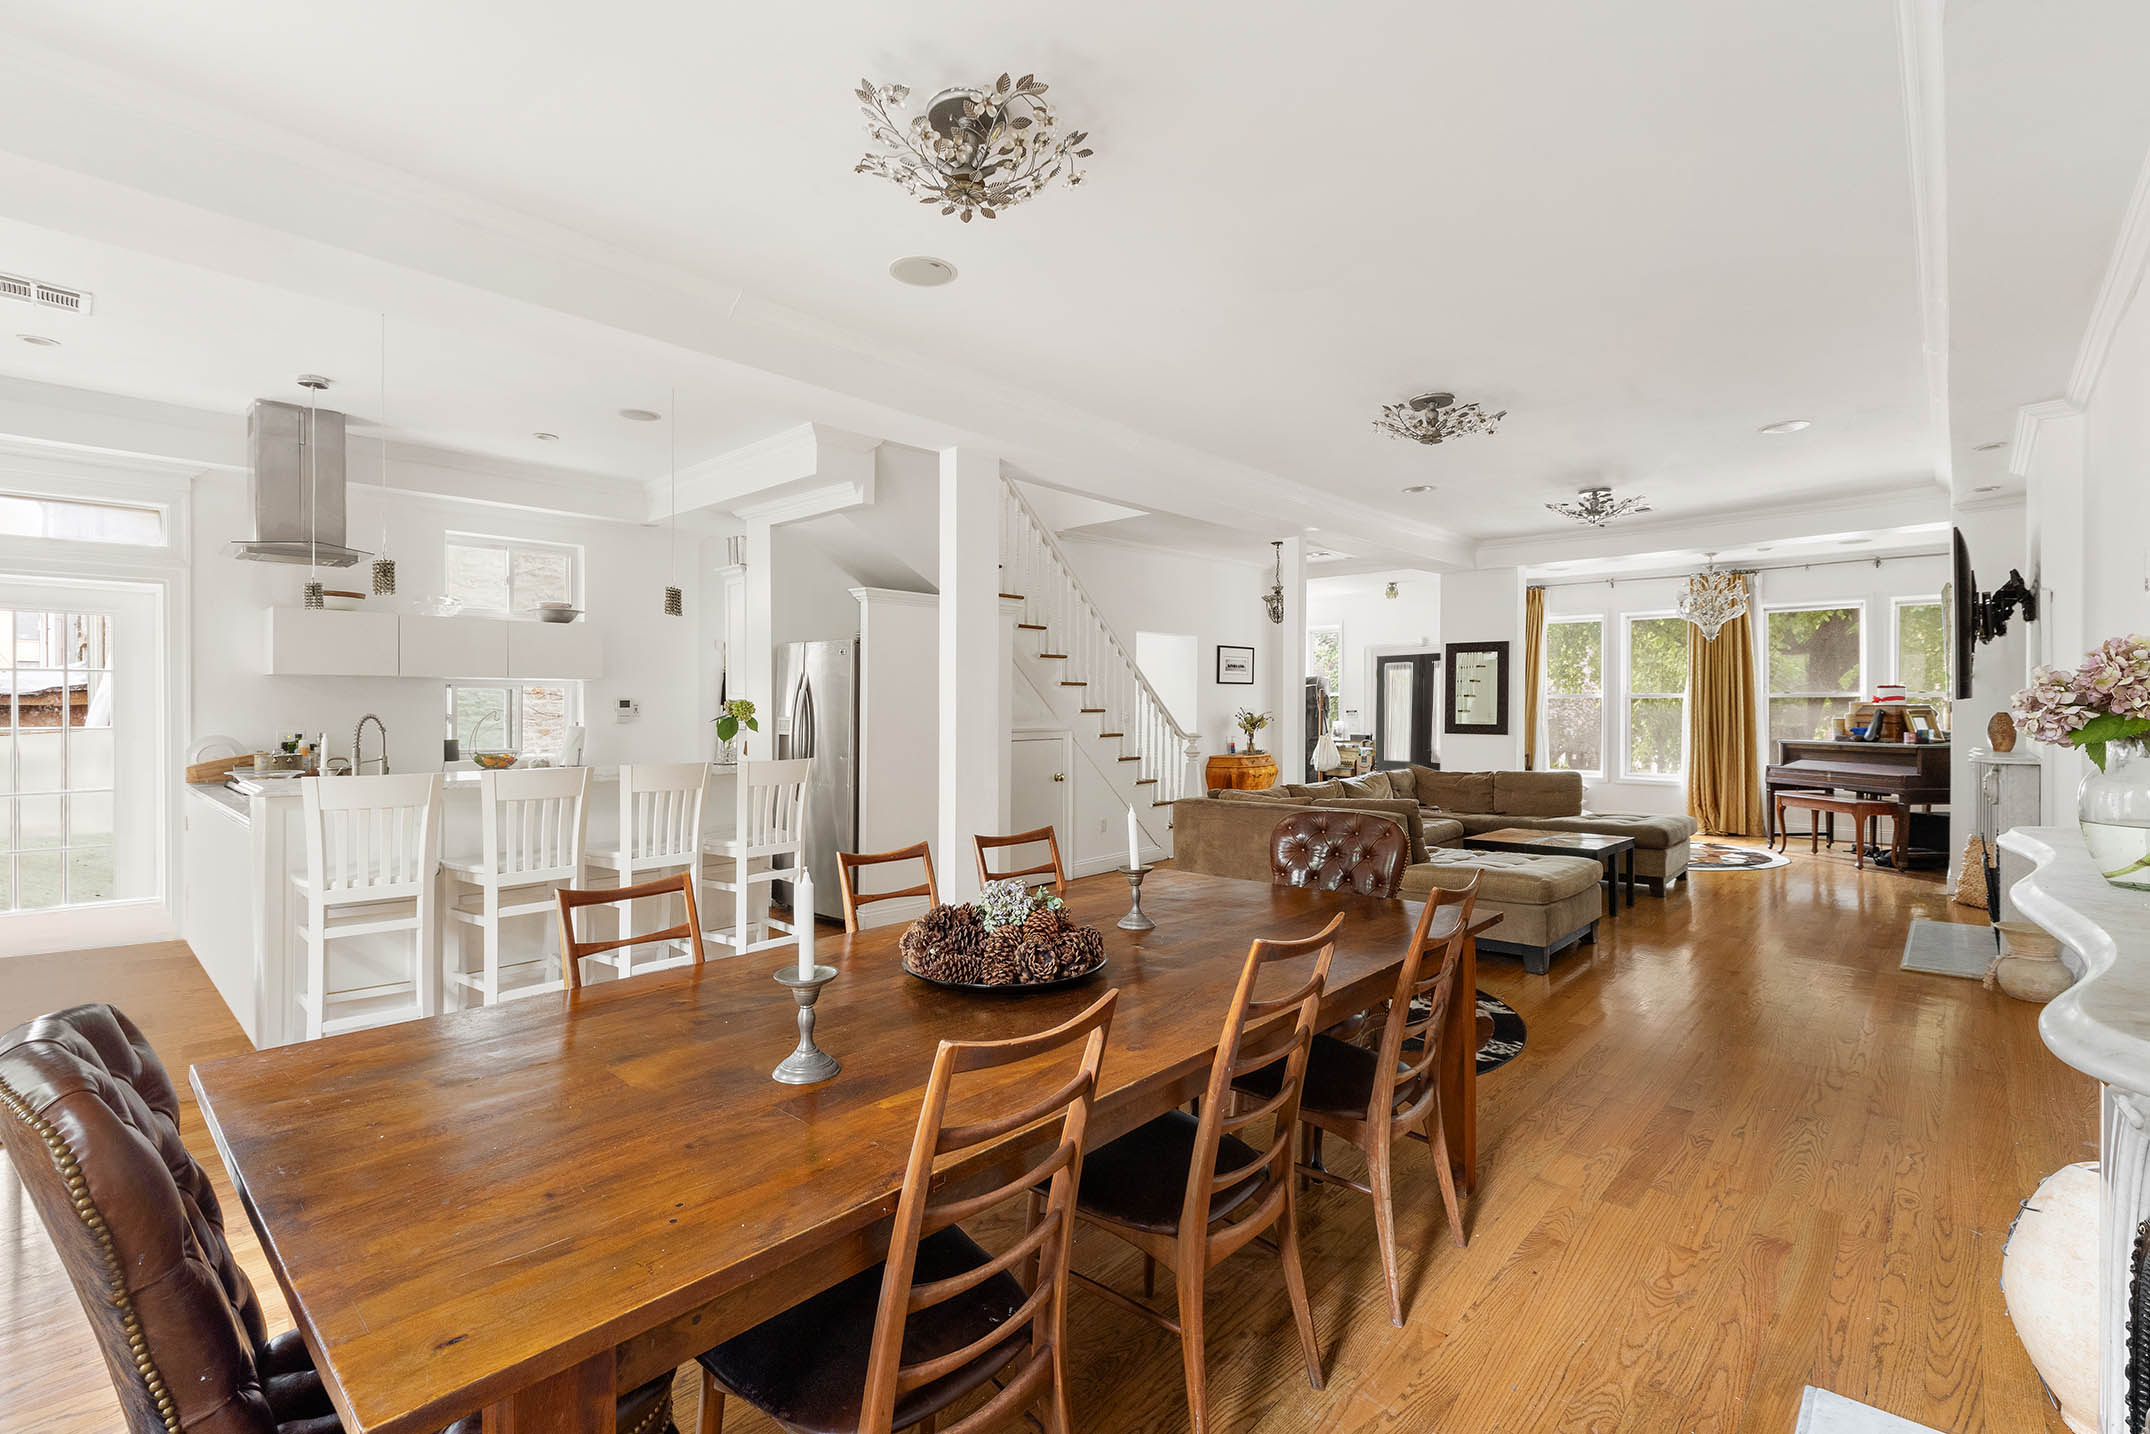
x,y
1961,608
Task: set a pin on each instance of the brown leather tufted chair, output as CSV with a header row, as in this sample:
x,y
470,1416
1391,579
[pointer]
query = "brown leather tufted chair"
x,y
91,1123
1336,851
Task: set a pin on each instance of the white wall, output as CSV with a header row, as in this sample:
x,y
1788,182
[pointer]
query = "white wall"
x,y
1216,601
664,663
1997,539
1484,605
898,762
1373,626
2116,486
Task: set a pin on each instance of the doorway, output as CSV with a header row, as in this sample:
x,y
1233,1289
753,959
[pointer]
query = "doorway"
x,y
1406,702
82,800
1042,785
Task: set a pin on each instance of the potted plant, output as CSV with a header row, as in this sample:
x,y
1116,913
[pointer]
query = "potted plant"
x,y
2103,707
1250,723
738,713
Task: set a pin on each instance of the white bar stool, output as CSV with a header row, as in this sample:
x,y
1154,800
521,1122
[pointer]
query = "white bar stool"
x,y
660,832
372,856
770,821
533,824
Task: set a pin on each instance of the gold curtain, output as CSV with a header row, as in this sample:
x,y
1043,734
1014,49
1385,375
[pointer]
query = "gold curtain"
x,y
1724,760
1533,671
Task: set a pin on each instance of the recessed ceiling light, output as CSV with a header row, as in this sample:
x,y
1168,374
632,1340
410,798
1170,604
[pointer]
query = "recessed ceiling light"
x,y
1419,488
1989,447
546,437
1789,425
40,340
1987,488
639,415
1763,547
1857,542
922,271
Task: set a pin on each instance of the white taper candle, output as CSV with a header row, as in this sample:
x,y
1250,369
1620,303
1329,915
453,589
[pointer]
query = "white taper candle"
x,y
802,917
1134,842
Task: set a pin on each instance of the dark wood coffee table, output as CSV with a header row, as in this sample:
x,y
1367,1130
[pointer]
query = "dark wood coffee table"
x,y
1607,849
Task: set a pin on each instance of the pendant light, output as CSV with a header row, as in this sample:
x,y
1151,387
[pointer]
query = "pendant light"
x,y
313,383
674,606
1273,600
384,566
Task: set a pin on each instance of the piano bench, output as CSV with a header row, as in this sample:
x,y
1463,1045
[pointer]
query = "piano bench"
x,y
1863,812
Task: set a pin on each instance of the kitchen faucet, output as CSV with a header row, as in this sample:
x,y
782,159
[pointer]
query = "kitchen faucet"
x,y
358,733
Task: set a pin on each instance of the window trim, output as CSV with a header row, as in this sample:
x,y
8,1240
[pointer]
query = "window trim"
x,y
1896,640
1628,695
514,688
1336,694
455,538
1860,687
1546,693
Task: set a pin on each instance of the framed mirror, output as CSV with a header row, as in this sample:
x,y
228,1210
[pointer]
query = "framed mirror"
x,y
1477,703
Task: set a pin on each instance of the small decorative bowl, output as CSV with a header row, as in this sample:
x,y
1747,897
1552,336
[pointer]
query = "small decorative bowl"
x,y
337,601
493,761
556,612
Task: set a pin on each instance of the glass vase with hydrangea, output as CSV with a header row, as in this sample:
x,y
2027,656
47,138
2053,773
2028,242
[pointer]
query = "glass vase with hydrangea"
x,y
2102,706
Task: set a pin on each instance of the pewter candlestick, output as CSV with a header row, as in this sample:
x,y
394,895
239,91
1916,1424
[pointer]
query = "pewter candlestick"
x,y
809,1063
1135,920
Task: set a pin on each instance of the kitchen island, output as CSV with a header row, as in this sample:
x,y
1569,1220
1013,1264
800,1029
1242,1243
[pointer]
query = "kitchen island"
x,y
244,841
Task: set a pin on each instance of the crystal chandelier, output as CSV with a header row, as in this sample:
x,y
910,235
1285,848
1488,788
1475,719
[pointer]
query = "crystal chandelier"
x,y
1597,507
1435,418
1713,599
1274,598
972,150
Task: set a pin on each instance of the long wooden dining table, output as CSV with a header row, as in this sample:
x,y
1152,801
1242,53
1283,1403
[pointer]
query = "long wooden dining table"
x,y
524,1208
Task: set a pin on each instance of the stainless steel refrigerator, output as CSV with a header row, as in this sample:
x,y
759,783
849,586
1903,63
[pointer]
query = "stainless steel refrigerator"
x,y
817,716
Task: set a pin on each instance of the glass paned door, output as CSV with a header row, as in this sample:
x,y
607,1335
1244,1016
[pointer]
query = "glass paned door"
x,y
57,764
1406,701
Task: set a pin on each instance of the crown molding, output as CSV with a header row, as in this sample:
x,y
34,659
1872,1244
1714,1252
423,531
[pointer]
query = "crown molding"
x,y
1919,52
2123,276
897,597
2031,420
799,473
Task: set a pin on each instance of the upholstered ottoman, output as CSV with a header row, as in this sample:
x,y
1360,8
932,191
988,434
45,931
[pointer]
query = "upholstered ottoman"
x,y
1547,903
1661,843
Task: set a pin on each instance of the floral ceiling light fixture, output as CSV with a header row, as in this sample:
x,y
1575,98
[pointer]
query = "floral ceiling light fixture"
x,y
1597,506
972,150
1436,418
1713,599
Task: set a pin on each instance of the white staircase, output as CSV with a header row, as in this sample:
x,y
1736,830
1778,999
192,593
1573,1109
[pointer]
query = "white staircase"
x,y
1073,652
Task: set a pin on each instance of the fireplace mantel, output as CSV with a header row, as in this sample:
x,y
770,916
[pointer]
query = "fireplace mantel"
x,y
2100,1026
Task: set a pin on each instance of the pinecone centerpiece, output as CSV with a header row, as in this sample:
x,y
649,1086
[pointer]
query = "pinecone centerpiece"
x,y
1010,936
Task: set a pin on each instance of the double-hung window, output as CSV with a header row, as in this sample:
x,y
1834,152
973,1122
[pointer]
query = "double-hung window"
x,y
530,718
500,576
1816,669
1922,653
1656,696
1574,699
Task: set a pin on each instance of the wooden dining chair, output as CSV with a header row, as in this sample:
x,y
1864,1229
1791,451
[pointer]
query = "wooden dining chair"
x,y
895,1346
1374,1098
1186,1191
848,862
572,950
1049,867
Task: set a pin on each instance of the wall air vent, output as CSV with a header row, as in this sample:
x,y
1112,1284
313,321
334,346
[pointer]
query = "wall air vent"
x,y
48,296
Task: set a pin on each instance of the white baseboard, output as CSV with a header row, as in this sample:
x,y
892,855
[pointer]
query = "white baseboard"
x,y
120,923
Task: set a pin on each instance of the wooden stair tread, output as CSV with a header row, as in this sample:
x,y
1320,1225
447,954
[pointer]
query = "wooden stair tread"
x,y
1103,735
1145,781
1160,804
1130,759
1030,626
1060,655
1099,709
1074,684
1016,596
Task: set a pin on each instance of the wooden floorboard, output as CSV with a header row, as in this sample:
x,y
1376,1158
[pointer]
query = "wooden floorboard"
x,y
1741,1153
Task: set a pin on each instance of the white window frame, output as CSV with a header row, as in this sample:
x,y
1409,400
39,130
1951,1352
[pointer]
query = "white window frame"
x,y
1860,688
1896,638
1336,694
571,551
1628,694
512,740
1605,688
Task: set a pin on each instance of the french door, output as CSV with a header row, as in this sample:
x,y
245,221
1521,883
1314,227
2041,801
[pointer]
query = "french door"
x,y
81,812
1406,704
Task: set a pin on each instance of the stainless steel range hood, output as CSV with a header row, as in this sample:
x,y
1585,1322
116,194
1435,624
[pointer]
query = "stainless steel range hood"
x,y
295,486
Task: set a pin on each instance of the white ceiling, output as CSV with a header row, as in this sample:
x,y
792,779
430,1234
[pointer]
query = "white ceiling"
x,y
182,334
1644,230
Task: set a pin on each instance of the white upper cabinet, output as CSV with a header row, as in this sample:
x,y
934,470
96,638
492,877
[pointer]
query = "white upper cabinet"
x,y
455,646
315,642
554,649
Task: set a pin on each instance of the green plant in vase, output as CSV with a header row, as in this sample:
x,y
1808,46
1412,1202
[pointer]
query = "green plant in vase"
x,y
737,716
1250,723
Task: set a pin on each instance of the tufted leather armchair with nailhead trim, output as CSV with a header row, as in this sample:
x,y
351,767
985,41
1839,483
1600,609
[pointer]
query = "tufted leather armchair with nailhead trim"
x,y
90,1122
1339,851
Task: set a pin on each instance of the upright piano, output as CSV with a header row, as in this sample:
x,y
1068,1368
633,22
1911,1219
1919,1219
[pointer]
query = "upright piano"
x,y
1914,774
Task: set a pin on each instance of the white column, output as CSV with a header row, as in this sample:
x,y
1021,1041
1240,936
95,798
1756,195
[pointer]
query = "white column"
x,y
732,582
1289,728
1483,605
754,672
973,667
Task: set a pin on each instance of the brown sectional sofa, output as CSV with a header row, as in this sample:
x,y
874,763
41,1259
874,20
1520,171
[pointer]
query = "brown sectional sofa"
x,y
1547,903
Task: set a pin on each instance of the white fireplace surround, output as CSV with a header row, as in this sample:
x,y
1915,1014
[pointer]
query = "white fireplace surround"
x,y
2100,1026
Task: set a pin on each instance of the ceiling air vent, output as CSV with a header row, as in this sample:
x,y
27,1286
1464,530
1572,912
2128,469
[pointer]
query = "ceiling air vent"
x,y
49,296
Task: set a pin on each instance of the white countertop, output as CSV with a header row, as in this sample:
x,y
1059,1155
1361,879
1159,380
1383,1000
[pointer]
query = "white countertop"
x,y
454,776
2101,1024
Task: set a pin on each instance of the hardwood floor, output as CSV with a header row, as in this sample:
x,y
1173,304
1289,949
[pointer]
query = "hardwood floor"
x,y
1742,1153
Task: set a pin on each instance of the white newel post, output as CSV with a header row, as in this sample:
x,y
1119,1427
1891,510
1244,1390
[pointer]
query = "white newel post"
x,y
973,666
2100,1026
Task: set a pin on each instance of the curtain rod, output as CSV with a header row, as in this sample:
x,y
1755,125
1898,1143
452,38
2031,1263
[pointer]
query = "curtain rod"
x,y
1876,561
